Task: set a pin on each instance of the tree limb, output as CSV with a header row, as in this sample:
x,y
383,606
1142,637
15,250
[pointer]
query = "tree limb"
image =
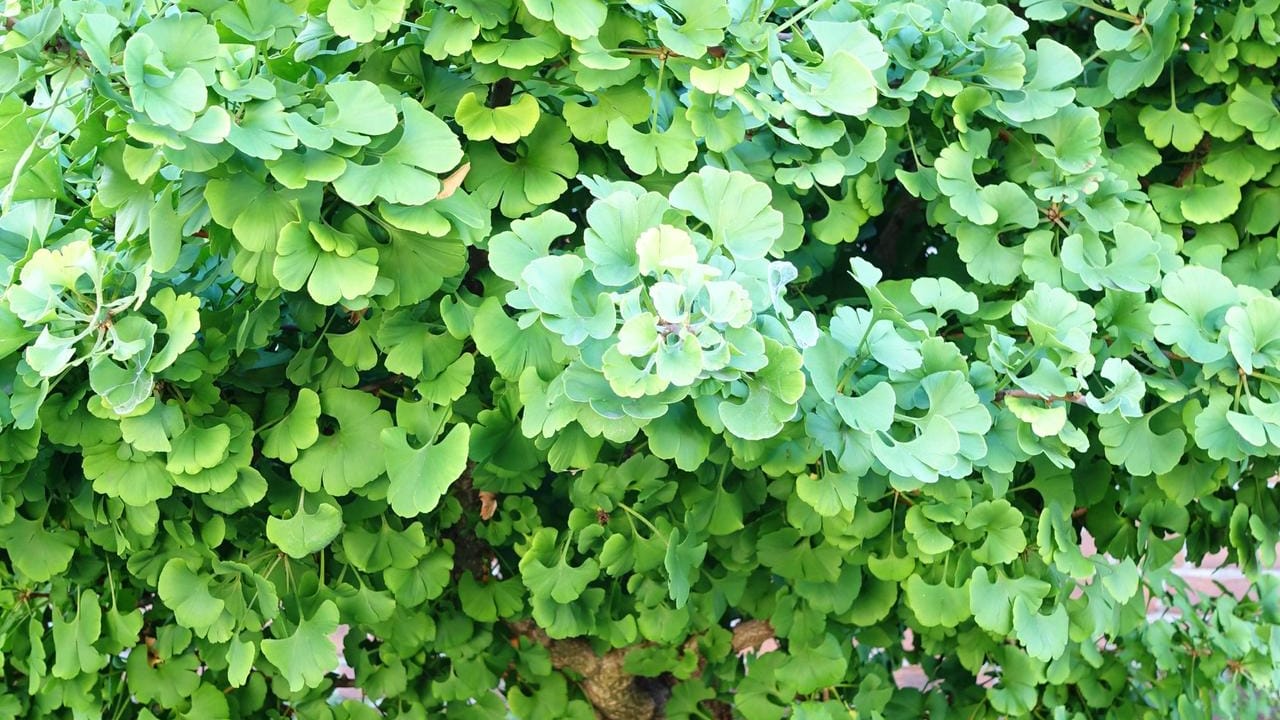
x,y
609,688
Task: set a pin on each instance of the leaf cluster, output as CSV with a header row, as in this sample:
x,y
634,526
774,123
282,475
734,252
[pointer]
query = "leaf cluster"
x,y
554,358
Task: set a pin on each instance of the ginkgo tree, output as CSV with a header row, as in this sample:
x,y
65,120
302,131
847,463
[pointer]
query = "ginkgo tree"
x,y
637,359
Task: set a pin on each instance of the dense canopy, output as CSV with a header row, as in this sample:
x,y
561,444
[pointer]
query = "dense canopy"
x,y
558,358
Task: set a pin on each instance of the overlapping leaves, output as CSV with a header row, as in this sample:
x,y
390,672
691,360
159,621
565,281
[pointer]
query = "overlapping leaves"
x,y
549,345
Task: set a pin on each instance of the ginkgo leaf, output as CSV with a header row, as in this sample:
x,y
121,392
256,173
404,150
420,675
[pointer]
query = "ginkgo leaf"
x,y
937,604
559,581
1190,312
169,96
1253,106
182,322
405,173
197,448
137,478
263,131
672,149
1140,449
240,659
306,531
153,430
576,18
506,124
720,80
809,669
363,20
37,552
693,26
536,176
682,558
1254,333
736,208
73,640
344,271
1171,127
187,594
1044,636
1002,524
1210,203
297,430
421,476
307,654
165,232
356,113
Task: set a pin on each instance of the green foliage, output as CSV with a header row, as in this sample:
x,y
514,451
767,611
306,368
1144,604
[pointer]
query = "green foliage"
x,y
545,358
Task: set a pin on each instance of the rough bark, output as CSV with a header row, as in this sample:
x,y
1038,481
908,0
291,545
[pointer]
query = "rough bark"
x,y
751,634
612,691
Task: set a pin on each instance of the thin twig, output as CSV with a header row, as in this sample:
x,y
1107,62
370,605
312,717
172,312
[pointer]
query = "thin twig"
x,y
1076,398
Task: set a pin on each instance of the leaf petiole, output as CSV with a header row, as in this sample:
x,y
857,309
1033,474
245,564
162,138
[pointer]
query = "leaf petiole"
x,y
631,511
801,15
